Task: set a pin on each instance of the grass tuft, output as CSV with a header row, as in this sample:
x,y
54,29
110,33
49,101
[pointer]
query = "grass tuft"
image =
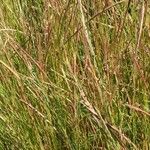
x,y
74,75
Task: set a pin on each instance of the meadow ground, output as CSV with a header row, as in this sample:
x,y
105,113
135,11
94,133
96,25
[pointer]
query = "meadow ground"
x,y
74,74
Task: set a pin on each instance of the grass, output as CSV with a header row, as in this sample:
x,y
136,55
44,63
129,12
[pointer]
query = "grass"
x,y
74,75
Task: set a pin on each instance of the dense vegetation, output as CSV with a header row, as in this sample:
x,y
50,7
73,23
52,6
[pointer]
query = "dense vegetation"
x,y
74,74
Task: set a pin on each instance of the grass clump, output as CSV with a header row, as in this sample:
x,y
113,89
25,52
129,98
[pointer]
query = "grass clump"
x,y
74,74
